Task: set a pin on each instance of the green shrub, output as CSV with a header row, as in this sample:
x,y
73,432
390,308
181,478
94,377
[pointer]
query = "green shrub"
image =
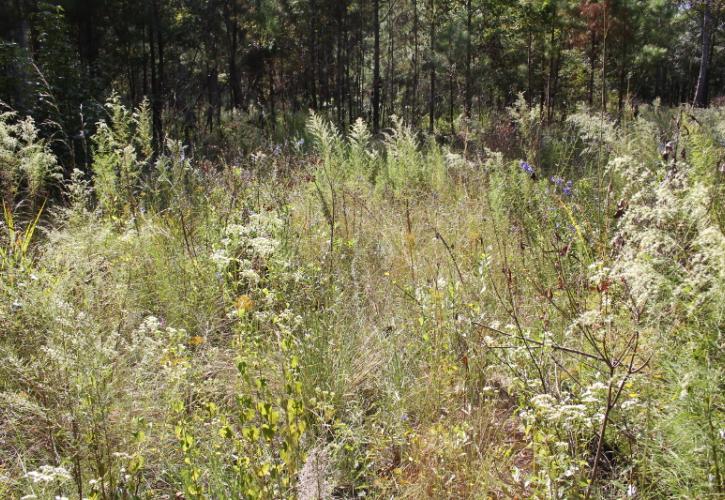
x,y
27,166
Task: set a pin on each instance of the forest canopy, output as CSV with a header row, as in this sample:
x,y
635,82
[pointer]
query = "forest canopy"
x,y
426,61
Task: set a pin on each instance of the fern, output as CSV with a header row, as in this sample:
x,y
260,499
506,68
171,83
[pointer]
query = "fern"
x,y
122,150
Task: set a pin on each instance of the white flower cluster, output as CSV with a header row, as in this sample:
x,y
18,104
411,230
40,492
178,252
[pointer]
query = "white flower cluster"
x,y
593,130
74,337
566,414
455,160
48,474
220,258
244,243
595,393
669,251
144,343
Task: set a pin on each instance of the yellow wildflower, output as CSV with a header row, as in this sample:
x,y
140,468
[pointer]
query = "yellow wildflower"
x,y
244,303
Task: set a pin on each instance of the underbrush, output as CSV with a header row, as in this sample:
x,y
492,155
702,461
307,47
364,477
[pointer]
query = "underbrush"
x,y
351,316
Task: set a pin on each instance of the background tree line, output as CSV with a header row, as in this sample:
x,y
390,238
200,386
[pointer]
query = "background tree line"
x,y
427,61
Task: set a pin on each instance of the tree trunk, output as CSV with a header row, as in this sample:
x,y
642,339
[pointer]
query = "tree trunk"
x,y
451,99
469,35
555,80
604,59
376,67
361,60
155,89
19,71
416,59
431,97
621,86
348,77
314,57
391,59
339,64
272,92
529,70
230,18
702,78
592,61
550,72
160,46
144,62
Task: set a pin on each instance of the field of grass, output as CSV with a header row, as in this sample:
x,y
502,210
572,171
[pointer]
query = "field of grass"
x,y
530,311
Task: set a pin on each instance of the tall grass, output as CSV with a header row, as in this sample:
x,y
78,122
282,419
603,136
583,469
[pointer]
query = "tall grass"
x,y
389,317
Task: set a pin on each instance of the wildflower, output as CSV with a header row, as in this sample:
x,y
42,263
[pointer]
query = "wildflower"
x,y
196,340
47,474
244,303
630,404
263,247
251,276
150,325
573,469
220,258
527,168
565,186
258,156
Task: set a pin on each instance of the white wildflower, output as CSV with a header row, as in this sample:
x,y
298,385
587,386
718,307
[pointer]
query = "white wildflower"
x,y
251,276
263,247
220,258
48,474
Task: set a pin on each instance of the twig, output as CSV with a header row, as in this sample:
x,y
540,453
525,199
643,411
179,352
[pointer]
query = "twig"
x,y
556,347
439,236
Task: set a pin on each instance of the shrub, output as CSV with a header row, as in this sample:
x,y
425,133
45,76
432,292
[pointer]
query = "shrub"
x,y
27,166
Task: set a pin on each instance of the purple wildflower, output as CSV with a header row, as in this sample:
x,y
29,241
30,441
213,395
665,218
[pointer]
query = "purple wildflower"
x,y
527,168
566,186
567,190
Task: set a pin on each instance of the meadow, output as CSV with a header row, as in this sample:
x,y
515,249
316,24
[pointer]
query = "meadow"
x,y
525,310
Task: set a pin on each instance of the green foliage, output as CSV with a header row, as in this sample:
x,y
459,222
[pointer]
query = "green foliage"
x,y
27,166
122,150
15,251
379,316
398,164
